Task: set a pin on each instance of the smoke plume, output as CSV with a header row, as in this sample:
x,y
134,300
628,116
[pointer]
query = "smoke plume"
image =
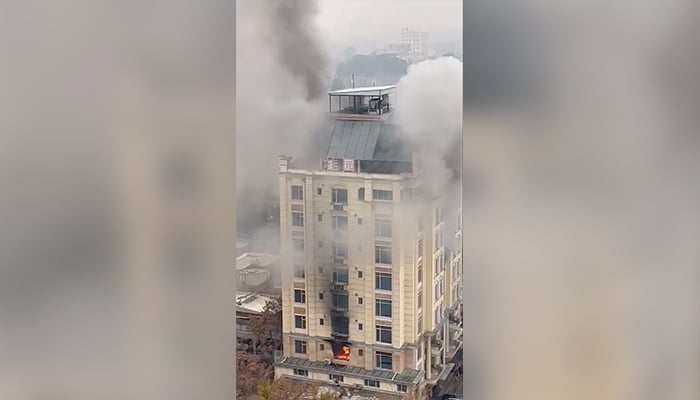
x,y
429,112
282,73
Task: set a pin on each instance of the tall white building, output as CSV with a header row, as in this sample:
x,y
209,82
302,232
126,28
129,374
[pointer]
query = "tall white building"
x,y
416,42
371,285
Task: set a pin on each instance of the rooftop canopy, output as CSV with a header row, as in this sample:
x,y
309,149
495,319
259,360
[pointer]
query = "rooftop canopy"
x,y
364,91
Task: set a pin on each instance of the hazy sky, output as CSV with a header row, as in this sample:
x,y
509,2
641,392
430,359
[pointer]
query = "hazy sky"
x,y
351,22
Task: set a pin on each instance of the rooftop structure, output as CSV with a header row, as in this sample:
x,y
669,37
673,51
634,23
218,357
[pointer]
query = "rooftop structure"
x,y
366,103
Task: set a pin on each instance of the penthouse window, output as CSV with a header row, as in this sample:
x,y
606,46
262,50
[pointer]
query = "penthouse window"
x,y
383,334
299,296
382,195
301,372
339,196
382,308
382,253
297,219
297,192
383,360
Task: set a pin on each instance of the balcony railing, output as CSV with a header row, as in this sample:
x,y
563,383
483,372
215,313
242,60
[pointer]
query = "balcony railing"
x,y
337,206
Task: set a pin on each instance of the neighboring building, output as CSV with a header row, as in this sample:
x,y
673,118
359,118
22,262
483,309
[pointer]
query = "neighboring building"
x,y
416,41
370,287
259,272
249,306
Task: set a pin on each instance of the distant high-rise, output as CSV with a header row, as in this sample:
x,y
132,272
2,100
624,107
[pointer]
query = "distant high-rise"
x,y
416,42
371,291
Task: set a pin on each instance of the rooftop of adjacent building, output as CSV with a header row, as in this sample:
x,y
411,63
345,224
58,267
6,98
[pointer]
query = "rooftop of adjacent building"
x,y
248,261
252,303
364,91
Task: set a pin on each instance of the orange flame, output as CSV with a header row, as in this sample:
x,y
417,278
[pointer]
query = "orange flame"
x,y
343,354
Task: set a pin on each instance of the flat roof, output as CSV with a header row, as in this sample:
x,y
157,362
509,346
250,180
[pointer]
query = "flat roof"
x,y
251,302
263,260
364,91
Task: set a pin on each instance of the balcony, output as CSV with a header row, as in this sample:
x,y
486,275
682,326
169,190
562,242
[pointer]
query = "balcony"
x,y
340,278
337,207
340,327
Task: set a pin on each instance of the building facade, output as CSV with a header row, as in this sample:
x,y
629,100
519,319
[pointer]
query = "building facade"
x,y
416,42
370,282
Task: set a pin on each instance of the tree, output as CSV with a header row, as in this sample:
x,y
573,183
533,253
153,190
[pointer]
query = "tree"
x,y
251,372
269,322
286,389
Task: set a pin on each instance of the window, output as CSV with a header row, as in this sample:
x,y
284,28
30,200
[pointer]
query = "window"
x,y
382,254
383,360
299,296
360,352
321,322
419,247
297,193
301,372
321,346
300,321
340,223
383,334
420,300
360,326
339,196
340,301
300,346
419,325
319,191
336,378
382,308
360,300
297,219
384,195
359,274
420,273
320,270
371,383
401,387
361,194
382,281
382,228
299,271
340,250
320,217
340,275
359,221
298,244
437,290
320,296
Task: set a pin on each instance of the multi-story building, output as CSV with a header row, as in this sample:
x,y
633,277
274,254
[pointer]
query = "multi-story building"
x,y
416,41
370,281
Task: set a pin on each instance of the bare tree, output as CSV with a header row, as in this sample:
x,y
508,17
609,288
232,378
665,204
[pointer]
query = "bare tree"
x,y
267,324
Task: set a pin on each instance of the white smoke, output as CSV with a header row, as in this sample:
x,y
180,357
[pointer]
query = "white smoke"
x,y
429,112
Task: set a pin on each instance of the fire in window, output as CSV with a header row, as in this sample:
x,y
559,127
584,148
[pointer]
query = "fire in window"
x,y
341,352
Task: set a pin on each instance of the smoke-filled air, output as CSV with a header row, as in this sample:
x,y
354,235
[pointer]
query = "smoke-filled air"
x,y
280,98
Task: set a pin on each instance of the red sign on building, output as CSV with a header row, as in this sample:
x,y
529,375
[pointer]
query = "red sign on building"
x,y
349,165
